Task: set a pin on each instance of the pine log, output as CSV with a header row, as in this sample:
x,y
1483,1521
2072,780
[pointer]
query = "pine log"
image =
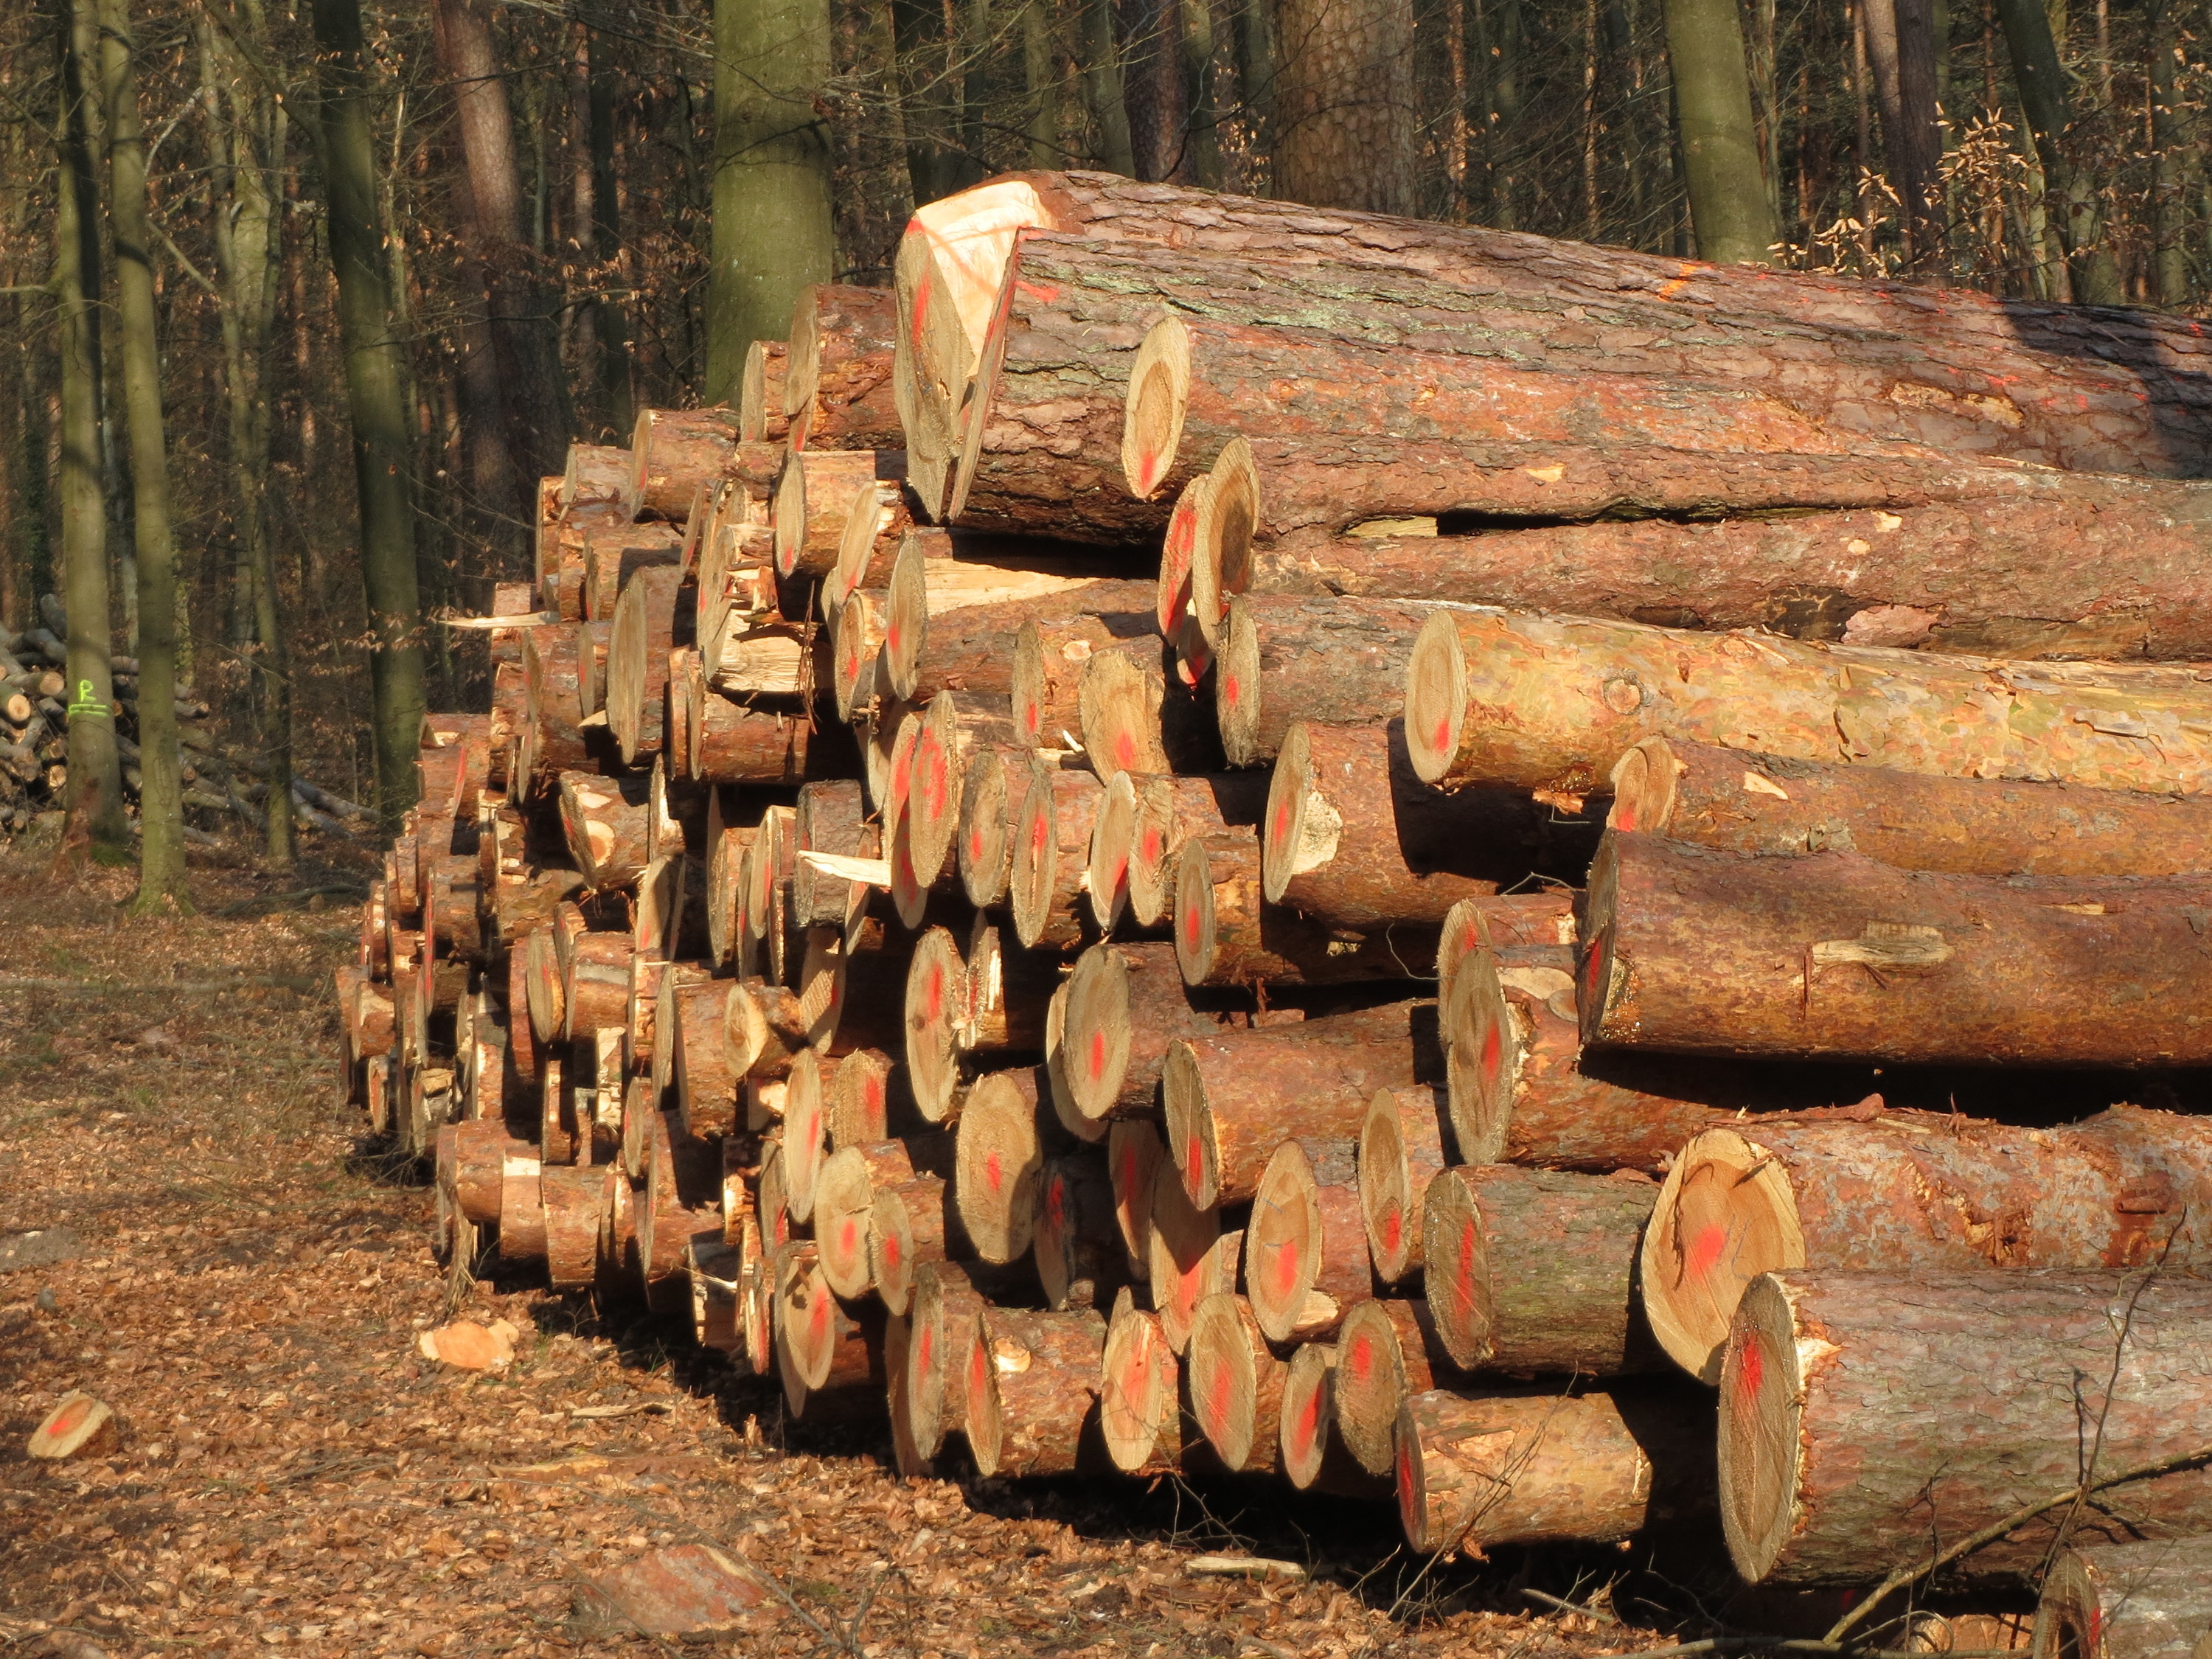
x,y
1478,1469
911,1223
1052,847
806,1138
637,661
715,1272
1225,934
1134,715
2149,1600
1870,1419
836,391
614,557
1055,643
673,452
1169,810
598,475
1139,1388
1386,1353
1134,1152
1909,1192
1230,1098
1033,1412
1076,1238
761,418
695,1015
944,1330
991,798
595,985
1305,1251
1549,702
1835,955
814,496
1402,1148
860,1106
980,647
1126,1003
522,1215
845,1203
999,1164
604,820
1545,917
731,742
1191,1256
955,728
1311,1454
829,818
1737,801
570,1198
856,654
1235,1384
482,1148
831,1360
1287,658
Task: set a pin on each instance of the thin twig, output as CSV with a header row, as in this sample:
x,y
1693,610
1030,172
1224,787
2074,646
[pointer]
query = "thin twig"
x,y
1565,1606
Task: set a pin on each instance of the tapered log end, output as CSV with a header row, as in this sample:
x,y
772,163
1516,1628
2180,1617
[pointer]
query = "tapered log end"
x,y
1483,1055
1644,782
1283,1245
1106,869
1725,1215
1435,698
1456,1276
1190,1123
1036,858
1222,531
1172,595
935,994
853,655
1370,1385
997,1164
1307,1413
1137,1383
1096,1042
1759,1394
1223,1385
1151,838
1152,416
1385,1196
1194,924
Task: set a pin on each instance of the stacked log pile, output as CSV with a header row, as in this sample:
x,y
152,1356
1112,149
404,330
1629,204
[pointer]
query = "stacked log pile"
x,y
1190,845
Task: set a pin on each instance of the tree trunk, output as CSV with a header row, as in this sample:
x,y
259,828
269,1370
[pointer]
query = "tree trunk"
x,y
374,352
1869,1419
1910,1191
1345,115
1226,935
1152,89
1305,1252
1729,204
1233,1098
2042,82
1386,1353
95,794
1480,1469
772,232
1039,1391
1126,1003
2127,1601
161,795
534,385
1511,698
1834,956
1901,42
1402,1151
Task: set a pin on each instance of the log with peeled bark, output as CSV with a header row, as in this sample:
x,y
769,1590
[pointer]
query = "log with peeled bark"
x,y
1031,1402
1052,854
1134,714
1076,1238
815,495
1529,1270
1305,1251
1286,658
1403,1144
674,451
761,418
836,392
1552,702
1139,1389
1226,934
732,742
1484,1467
2145,1601
1235,1384
1231,1097
1191,1256
1000,1154
1869,1419
1386,1353
1913,1192
1956,369
1126,1003
1833,954
637,661
1737,801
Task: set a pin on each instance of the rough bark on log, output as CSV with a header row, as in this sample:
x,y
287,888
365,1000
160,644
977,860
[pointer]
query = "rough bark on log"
x,y
733,742
1039,1393
1737,801
1286,658
598,475
1232,1098
1480,1469
1534,1270
977,647
1914,1192
1225,934
836,392
1552,702
1834,955
1402,1148
1235,1384
2149,1600
570,1199
1869,1419
673,452
1305,1251
1056,640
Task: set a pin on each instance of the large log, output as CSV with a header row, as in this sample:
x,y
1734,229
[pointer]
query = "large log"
x,y
1038,1393
1552,702
1832,954
1235,1384
999,1164
1738,801
2147,1601
1232,1098
1226,934
1126,1003
1533,1271
1478,1469
1869,1419
837,369
1305,1251
1386,1353
1914,1192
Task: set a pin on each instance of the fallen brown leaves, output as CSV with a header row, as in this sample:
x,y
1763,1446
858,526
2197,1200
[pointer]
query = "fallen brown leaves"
x,y
294,1477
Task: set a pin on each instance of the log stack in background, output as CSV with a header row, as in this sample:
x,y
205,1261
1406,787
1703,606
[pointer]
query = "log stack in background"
x,y
1070,887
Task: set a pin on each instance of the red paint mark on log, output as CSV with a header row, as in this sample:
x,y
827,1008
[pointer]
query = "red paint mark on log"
x,y
1098,1059
1706,1250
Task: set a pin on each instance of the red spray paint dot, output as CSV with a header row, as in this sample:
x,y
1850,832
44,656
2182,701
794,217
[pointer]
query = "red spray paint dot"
x,y
848,1237
928,1346
1098,1055
1394,1226
1706,1249
1125,752
891,1251
1442,735
1492,1054
1750,1370
991,1171
1286,1269
1363,1360
1229,690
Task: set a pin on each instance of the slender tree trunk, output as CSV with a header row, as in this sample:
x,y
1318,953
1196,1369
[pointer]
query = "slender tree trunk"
x,y
935,165
373,354
1198,43
161,787
609,313
1502,42
1153,90
1901,46
2042,82
1041,79
772,232
1718,136
1345,134
1255,70
1103,90
2170,160
95,779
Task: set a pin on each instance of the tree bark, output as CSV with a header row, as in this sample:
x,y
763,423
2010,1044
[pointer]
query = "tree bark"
x,y
1288,658
374,355
1832,954
672,454
1511,698
2127,1601
837,370
1033,1414
1911,1192
1226,935
1345,113
1869,1419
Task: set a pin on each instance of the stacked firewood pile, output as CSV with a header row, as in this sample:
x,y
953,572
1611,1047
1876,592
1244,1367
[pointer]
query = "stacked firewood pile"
x,y
1218,836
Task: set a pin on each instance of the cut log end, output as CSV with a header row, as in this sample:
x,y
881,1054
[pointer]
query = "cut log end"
x,y
1113,836
1386,1197
1195,924
986,854
1725,1216
1283,1246
1172,598
1761,1392
853,654
906,619
1189,1257
1222,531
79,1425
1138,1384
1644,782
1457,1274
1095,1046
1236,1384
1237,687
1190,1123
1152,416
1483,1055
1133,1157
935,776
936,994
999,1164
1435,698
1308,1410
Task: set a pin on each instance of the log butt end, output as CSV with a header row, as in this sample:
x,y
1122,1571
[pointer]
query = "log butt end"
x,y
1760,1413
1435,698
1725,1216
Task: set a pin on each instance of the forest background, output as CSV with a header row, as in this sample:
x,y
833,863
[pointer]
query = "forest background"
x,y
304,295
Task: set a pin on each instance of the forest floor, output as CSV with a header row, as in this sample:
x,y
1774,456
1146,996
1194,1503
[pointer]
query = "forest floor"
x,y
244,1286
